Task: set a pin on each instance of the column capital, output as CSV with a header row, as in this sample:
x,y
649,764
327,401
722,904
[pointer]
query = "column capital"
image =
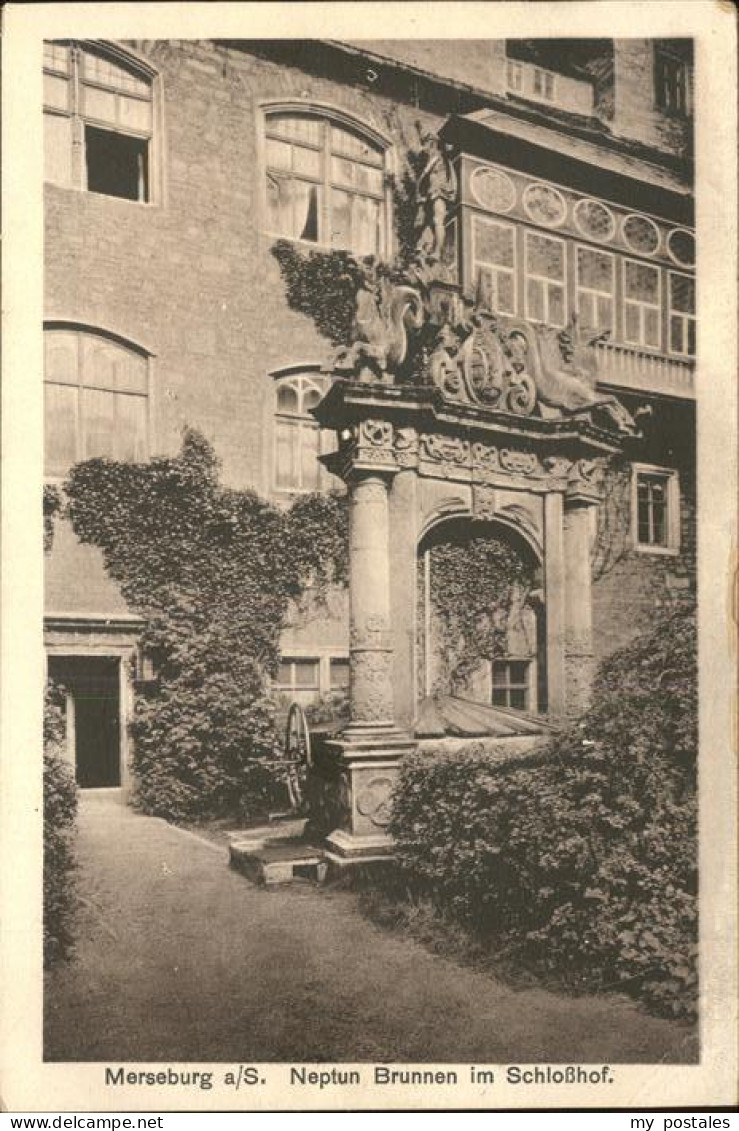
x,y
366,450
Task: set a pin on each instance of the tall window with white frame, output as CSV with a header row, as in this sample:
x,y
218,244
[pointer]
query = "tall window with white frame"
x,y
682,314
96,399
494,264
98,121
545,279
642,304
595,288
325,182
298,440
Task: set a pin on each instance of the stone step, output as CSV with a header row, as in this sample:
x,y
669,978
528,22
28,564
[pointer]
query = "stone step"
x,y
278,860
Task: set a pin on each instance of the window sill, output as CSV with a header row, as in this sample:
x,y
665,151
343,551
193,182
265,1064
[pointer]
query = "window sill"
x,y
659,551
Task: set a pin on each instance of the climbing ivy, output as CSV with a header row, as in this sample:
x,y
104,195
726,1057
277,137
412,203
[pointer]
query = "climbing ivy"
x,y
52,507
211,571
475,584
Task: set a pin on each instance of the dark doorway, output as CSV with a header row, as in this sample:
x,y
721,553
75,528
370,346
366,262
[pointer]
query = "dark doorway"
x,y
93,684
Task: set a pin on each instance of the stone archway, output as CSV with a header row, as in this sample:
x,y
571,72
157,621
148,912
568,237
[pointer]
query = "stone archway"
x,y
480,615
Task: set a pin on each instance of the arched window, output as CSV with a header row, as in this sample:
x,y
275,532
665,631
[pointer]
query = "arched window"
x,y
325,182
298,439
96,398
98,120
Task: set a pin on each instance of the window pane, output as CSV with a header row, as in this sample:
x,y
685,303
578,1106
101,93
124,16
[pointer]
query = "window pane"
x,y
500,674
493,243
365,234
130,428
682,294
297,128
519,671
134,114
517,699
651,327
506,298
117,165
99,104
339,673
286,454
306,673
368,179
279,205
535,299
544,256
676,333
311,398
604,318
305,202
61,357
632,326
56,92
110,366
60,440
343,141
279,154
642,282
57,149
56,56
306,161
285,673
98,423
595,270
500,697
691,337
557,306
110,74
341,219
342,171
310,467
287,398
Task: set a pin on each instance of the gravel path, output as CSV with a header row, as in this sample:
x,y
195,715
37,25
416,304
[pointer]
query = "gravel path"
x,y
180,958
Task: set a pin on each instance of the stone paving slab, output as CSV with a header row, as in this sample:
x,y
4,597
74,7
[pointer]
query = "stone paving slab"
x,y
180,958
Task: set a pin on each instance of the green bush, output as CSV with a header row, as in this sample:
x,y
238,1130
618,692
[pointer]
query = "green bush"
x,y
212,572
60,810
583,865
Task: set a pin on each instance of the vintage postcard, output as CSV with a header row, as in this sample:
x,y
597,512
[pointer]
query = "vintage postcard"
x,y
369,669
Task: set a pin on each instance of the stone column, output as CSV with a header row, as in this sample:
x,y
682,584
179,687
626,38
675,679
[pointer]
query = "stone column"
x,y
366,756
554,595
371,687
579,660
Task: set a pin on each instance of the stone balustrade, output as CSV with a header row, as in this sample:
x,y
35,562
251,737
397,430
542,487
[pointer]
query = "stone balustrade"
x,y
633,368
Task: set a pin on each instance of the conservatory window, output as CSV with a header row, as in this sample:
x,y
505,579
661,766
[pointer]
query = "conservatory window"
x,y
299,440
106,104
494,264
325,183
595,288
545,279
642,312
682,314
96,398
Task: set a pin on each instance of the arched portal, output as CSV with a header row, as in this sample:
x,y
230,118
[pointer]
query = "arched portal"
x,y
480,621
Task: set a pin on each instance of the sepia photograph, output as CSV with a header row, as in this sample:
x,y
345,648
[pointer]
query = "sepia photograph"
x,y
372,584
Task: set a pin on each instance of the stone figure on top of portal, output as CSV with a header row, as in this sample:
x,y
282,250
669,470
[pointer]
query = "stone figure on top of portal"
x,y
384,312
563,365
436,189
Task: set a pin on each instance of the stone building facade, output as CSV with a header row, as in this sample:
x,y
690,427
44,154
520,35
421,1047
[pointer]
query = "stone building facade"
x,y
173,166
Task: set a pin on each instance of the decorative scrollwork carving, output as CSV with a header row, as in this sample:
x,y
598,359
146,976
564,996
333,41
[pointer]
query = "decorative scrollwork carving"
x,y
374,800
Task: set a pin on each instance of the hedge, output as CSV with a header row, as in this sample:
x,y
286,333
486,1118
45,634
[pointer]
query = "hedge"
x,y
583,866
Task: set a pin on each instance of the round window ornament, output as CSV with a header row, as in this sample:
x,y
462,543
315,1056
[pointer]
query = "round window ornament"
x,y
594,220
544,205
640,234
681,247
493,190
